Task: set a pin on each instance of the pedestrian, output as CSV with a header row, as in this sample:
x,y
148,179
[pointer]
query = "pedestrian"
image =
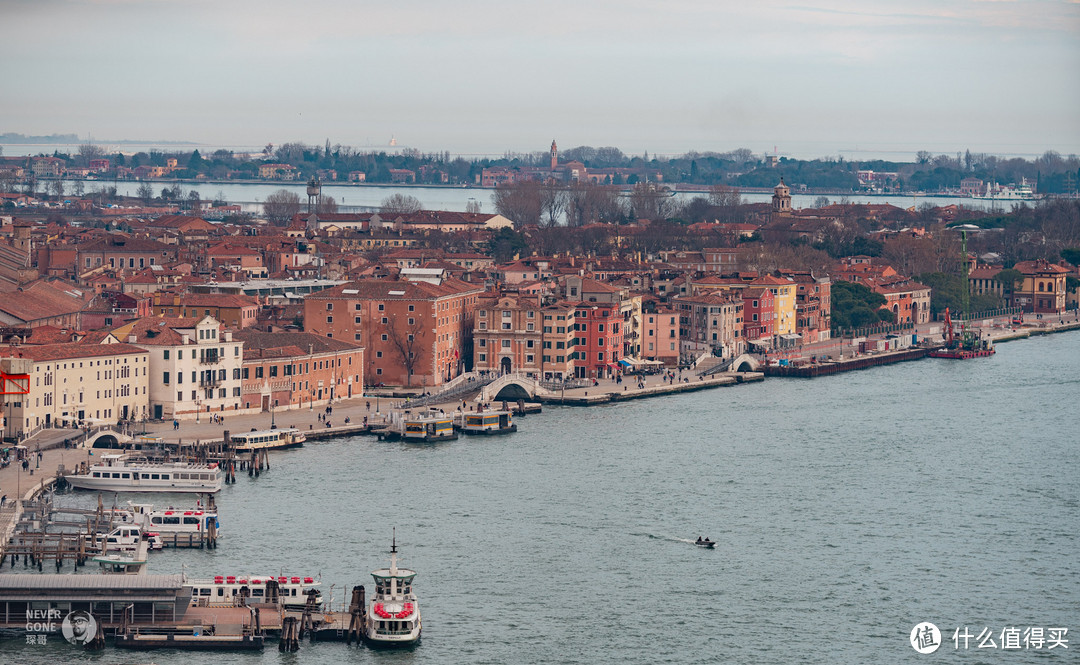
x,y
3,500
369,406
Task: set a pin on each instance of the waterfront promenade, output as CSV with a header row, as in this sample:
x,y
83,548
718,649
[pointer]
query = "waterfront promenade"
x,y
15,482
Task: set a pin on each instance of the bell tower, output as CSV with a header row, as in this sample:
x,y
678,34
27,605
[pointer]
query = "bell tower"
x,y
554,155
781,199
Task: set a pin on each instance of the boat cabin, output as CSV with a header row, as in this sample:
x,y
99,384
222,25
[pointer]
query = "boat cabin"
x,y
428,428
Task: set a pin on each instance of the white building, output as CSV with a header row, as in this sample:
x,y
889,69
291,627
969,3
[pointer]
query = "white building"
x,y
195,366
73,384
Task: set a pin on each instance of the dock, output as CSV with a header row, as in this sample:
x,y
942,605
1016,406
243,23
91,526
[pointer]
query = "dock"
x,y
812,370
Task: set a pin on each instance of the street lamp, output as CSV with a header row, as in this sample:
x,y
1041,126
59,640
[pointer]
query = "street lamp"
x,y
273,424
198,411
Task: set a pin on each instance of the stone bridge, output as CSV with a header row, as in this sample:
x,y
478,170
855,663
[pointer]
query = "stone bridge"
x,y
743,363
512,387
106,438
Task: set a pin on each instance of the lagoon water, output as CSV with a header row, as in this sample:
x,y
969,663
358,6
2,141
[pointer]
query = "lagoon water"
x,y
847,509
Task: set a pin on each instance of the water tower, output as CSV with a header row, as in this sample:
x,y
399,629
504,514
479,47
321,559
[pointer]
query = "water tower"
x,y
314,194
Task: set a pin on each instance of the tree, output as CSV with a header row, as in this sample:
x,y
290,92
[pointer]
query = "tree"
x,y
552,202
406,342
855,306
588,202
1072,255
57,188
1009,278
194,201
473,206
7,181
79,188
400,204
821,201
649,201
326,206
280,206
88,151
145,192
520,202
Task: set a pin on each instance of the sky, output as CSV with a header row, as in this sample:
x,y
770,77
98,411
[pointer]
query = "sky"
x,y
475,77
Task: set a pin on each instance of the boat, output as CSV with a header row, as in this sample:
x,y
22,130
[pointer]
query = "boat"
x,y
181,521
422,428
488,422
393,615
272,439
1022,192
962,346
706,543
225,591
122,563
125,538
118,473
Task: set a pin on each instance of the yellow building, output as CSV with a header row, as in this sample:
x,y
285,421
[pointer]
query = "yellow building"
x,y
783,291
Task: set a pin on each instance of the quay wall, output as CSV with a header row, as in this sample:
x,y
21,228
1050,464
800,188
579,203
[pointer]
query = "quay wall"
x,y
608,396
862,362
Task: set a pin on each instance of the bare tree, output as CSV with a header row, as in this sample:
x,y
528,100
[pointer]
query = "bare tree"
x,y
327,205
400,204
588,202
145,192
57,187
520,202
473,206
649,201
552,202
88,151
280,206
79,188
194,201
7,180
406,341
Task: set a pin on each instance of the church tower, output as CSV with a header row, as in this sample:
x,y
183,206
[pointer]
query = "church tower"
x,y
554,155
781,199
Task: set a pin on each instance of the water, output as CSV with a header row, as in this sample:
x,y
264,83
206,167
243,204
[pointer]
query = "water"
x,y
847,509
357,197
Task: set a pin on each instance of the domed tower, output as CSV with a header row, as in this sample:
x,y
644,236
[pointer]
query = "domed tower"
x,y
554,155
781,199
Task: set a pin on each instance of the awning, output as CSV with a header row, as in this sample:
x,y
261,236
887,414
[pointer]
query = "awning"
x,y
625,363
791,336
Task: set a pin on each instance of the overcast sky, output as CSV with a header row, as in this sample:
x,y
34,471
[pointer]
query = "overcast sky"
x,y
477,76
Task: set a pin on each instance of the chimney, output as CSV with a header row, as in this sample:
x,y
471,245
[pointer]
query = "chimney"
x,y
132,339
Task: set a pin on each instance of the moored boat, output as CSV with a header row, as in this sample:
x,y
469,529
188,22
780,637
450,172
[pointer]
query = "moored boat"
x,y
421,428
272,439
226,590
488,422
117,473
393,615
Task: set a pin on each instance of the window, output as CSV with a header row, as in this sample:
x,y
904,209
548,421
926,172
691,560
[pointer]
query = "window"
x,y
258,371
382,307
165,378
600,327
166,352
412,308
329,319
506,344
600,356
329,306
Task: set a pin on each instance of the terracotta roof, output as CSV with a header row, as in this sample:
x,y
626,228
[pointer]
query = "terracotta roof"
x,y
67,351
257,343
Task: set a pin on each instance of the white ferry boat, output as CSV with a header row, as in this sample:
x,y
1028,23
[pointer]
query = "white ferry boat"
x,y
273,439
393,616
176,520
224,591
117,473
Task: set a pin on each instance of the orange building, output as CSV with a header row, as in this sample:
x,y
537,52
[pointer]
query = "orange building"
x,y
414,332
